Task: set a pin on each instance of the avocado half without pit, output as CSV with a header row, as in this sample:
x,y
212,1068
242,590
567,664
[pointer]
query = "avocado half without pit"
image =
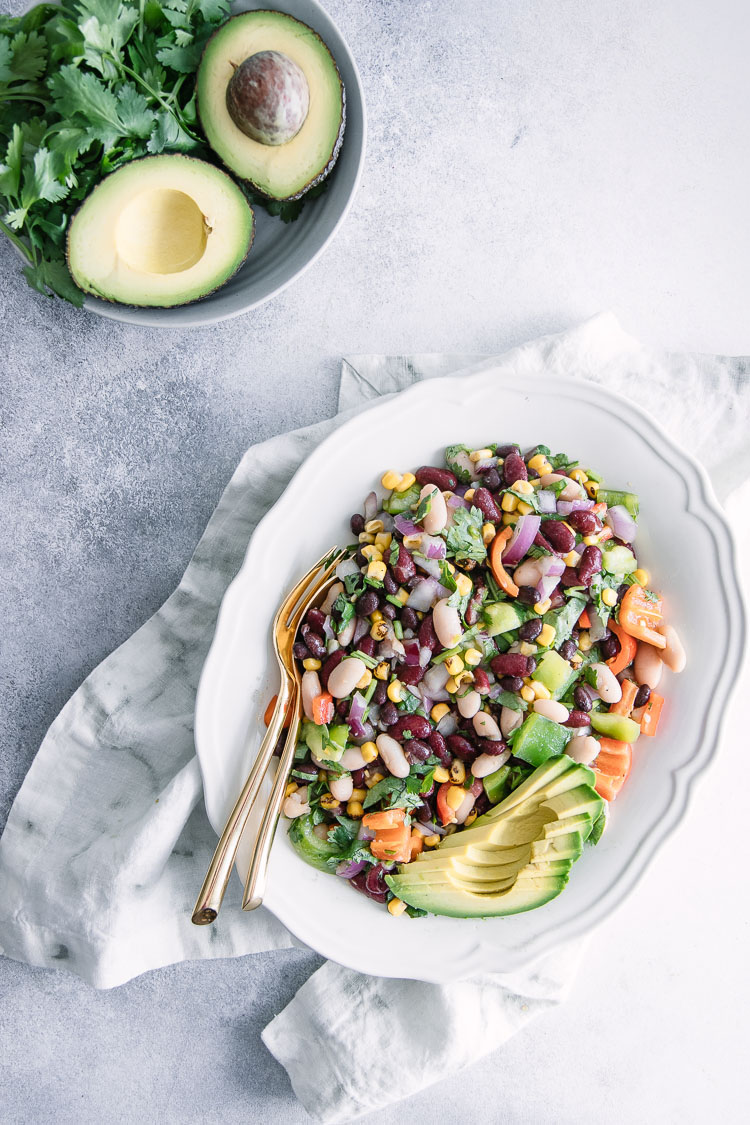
x,y
271,102
160,231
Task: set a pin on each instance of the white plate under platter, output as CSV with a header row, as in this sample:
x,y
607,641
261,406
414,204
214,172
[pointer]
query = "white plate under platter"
x,y
682,533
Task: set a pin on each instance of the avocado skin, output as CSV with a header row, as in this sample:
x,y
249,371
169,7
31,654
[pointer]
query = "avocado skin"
x,y
336,147
126,304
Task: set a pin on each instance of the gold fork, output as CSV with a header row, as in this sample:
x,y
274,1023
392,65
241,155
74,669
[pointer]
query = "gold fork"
x,y
284,631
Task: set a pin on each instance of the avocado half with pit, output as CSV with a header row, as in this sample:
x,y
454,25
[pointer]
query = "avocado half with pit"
x,y
160,231
271,102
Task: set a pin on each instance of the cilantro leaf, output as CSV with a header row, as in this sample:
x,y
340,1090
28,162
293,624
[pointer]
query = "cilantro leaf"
x,y
464,537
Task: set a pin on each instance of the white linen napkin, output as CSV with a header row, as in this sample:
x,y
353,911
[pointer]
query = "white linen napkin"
x,y
107,841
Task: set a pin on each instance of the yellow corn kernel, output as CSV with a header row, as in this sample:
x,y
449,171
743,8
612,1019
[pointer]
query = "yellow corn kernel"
x,y
438,711
402,595
451,568
454,797
464,677
592,488
591,540
411,542
371,551
472,657
641,576
509,518
329,802
311,664
374,526
578,475
407,480
358,795
523,487
374,780
365,681
536,462
376,570
451,686
441,775
376,615
572,558
322,775
381,672
454,664
469,494
354,809
526,648
584,641
396,906
432,841
470,818
379,632
609,596
369,751
547,636
540,691
509,502
292,787
390,480
458,772
365,537
576,661
395,691
524,509
463,584
543,470
542,607
480,455
488,533
383,540
527,693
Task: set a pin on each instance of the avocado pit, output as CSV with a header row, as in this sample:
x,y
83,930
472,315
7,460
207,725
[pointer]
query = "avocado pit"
x,y
268,98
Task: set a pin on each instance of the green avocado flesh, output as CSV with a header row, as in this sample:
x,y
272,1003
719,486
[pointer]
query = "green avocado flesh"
x,y
279,171
514,858
501,617
160,231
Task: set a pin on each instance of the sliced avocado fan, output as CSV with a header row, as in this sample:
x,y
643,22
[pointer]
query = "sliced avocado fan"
x,y
514,858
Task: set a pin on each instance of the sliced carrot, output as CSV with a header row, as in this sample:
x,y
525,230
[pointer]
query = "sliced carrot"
x,y
599,509
625,704
388,818
268,713
393,851
628,649
652,714
416,844
584,620
503,579
605,534
611,767
608,787
322,708
640,615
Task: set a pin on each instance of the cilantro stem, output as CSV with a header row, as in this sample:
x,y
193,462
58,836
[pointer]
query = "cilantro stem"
x,y
157,97
25,250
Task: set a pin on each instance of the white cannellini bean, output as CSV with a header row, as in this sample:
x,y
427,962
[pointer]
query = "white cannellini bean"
x,y
352,759
572,491
393,756
673,654
296,804
446,623
607,684
310,688
469,704
486,764
341,786
528,573
347,632
437,517
509,720
333,593
345,676
648,665
486,727
551,709
550,478
583,750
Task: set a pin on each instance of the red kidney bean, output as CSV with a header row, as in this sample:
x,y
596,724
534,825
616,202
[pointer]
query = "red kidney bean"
x,y
366,645
380,694
443,479
481,804
540,541
491,477
416,750
332,662
300,650
577,719
423,812
314,641
483,500
567,650
404,567
417,726
582,699
590,564
481,681
375,886
585,522
511,664
609,647
621,591
388,714
642,696
367,603
531,629
514,468
438,747
493,748
390,585
511,683
471,616
427,635
342,708
409,618
560,537
570,577
316,619
409,673
506,450
461,748
357,524
527,595
358,778
389,611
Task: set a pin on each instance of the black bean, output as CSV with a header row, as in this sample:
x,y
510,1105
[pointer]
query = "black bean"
x,y
380,694
314,641
511,683
367,603
301,651
389,610
332,662
609,647
390,585
567,650
357,523
527,595
582,699
491,478
316,619
642,696
531,629
416,750
366,645
409,618
388,713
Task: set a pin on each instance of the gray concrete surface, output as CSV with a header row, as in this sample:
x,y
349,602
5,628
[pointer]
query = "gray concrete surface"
x,y
529,164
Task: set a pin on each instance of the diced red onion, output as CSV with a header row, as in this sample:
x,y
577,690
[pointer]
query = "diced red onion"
x,y
371,506
406,526
547,501
565,507
386,519
362,627
456,499
521,539
425,655
597,629
621,522
465,807
350,869
487,463
433,547
426,593
551,572
429,566
357,707
328,627
448,724
367,735
365,833
345,568
411,653
435,679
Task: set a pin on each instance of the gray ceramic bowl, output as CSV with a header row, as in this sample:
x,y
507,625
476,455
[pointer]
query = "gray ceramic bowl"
x,y
281,252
